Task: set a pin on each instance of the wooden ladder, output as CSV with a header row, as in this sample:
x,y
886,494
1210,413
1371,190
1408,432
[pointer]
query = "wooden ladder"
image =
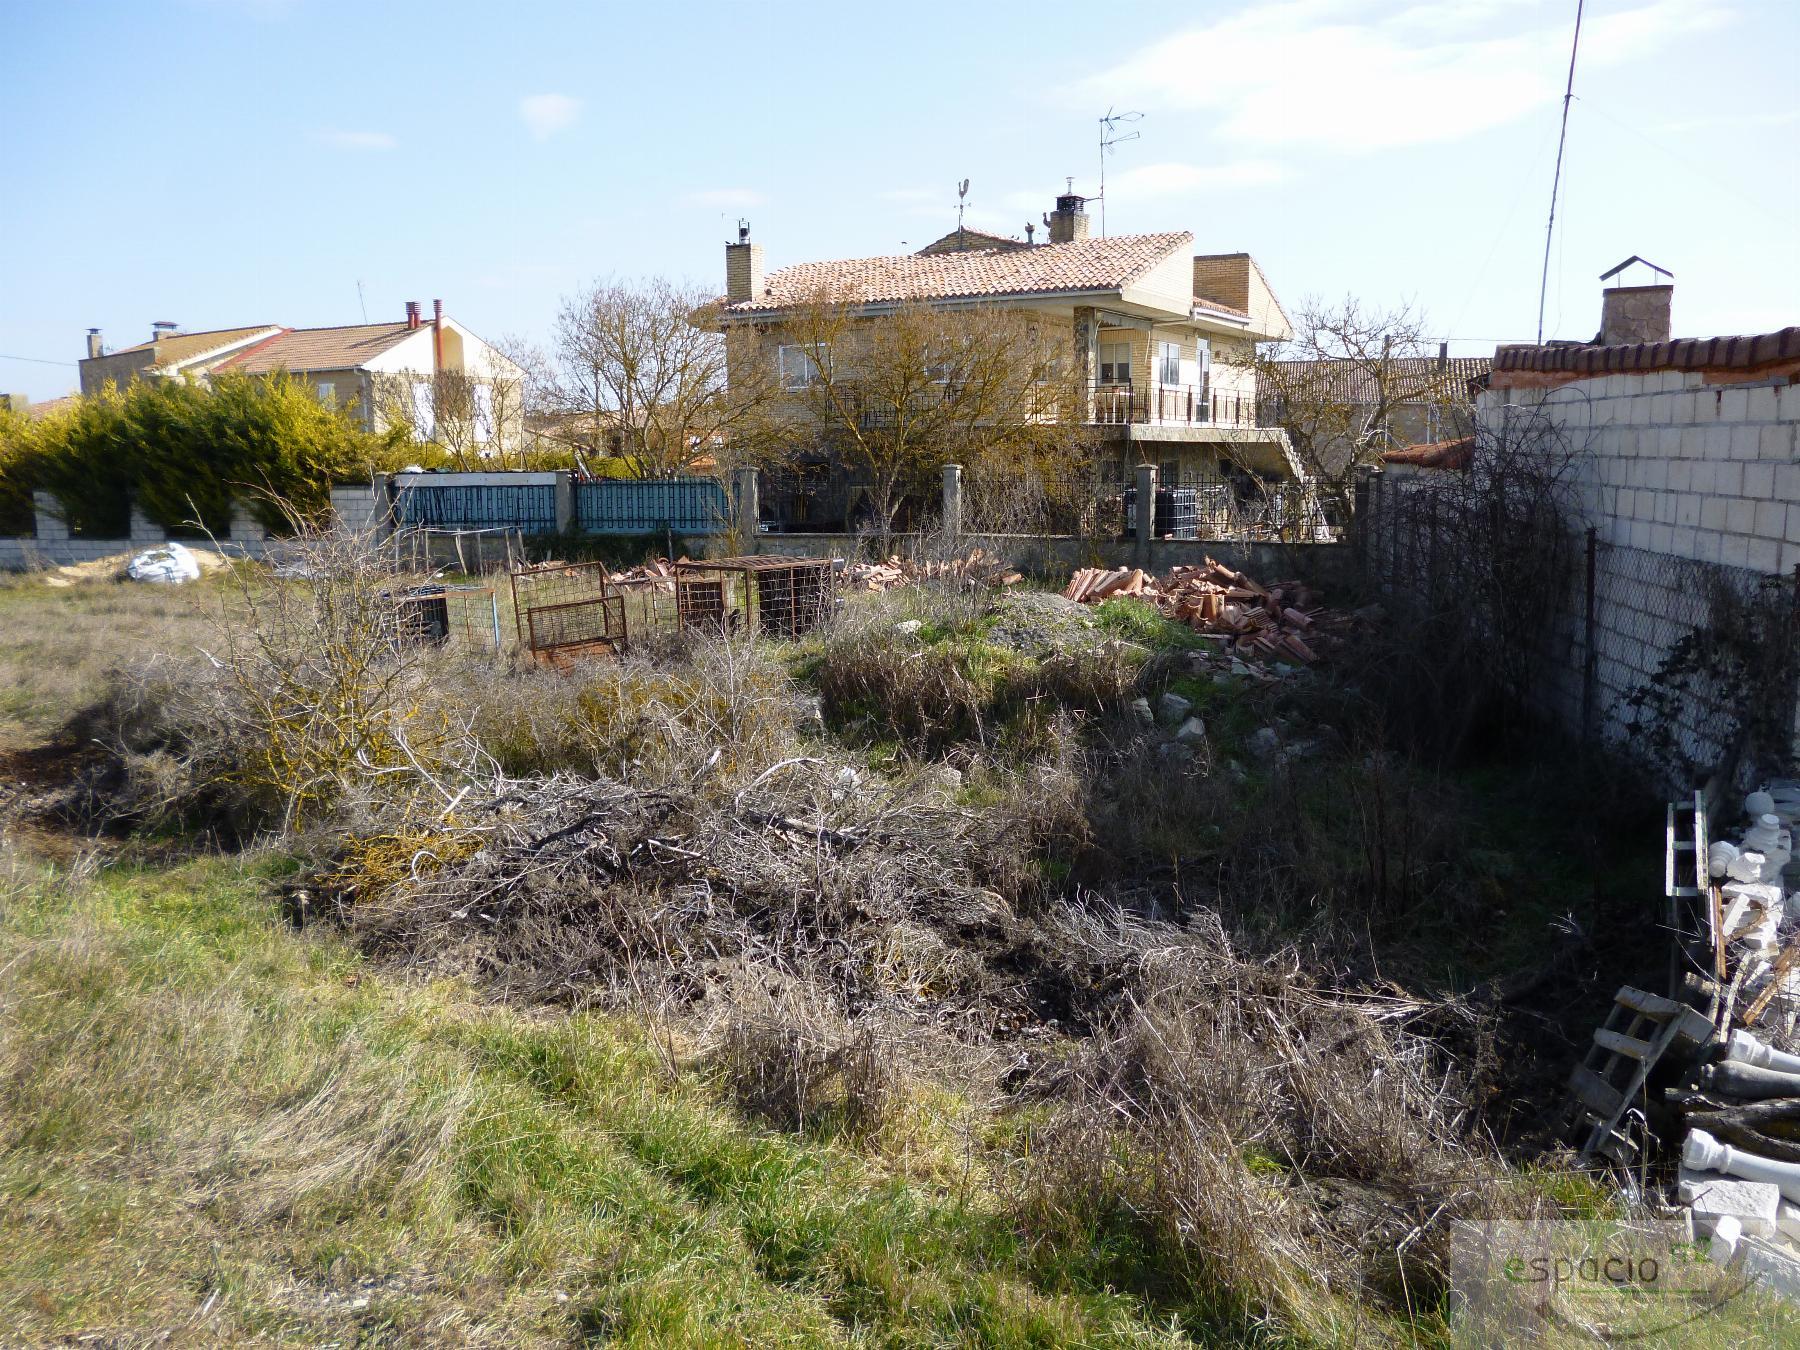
x,y
1639,1029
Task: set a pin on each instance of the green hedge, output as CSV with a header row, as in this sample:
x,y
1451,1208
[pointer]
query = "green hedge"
x,y
183,451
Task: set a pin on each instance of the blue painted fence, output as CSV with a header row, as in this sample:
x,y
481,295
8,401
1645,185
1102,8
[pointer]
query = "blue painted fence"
x,y
527,507
633,506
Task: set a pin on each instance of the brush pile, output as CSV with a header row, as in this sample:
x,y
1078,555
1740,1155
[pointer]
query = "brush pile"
x,y
1283,620
979,568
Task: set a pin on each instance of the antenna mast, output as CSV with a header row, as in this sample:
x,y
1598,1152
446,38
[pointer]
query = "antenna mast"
x,y
1556,179
1110,135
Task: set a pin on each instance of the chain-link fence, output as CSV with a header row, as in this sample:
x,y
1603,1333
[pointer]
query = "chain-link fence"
x,y
1682,662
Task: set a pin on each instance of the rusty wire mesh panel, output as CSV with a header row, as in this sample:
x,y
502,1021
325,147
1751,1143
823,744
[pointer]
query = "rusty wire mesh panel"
x,y
567,611
466,618
771,595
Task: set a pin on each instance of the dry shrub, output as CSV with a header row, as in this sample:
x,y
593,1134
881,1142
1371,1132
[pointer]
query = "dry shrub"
x,y
799,1066
1267,1139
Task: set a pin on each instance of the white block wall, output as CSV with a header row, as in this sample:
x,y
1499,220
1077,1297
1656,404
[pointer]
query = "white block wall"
x,y
1671,464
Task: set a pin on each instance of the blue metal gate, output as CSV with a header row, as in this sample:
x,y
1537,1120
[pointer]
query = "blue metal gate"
x,y
640,506
527,507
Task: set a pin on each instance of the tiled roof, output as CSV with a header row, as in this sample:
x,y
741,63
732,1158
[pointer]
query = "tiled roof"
x,y
1219,306
320,348
1084,265
1457,454
965,240
185,346
1410,377
1720,353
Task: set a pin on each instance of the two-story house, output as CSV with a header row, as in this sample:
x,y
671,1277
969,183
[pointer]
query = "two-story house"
x,y
1163,338
419,372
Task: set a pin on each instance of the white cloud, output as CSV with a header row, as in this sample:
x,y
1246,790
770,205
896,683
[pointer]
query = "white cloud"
x,y
360,140
1343,76
725,199
546,114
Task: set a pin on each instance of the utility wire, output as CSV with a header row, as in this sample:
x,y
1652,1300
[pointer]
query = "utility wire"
x,y
37,360
1556,180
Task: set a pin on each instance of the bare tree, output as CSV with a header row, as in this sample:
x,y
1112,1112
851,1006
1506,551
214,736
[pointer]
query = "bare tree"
x,y
1354,381
476,419
643,368
896,396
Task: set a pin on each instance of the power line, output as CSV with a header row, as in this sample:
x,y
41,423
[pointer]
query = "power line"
x,y
1556,179
37,360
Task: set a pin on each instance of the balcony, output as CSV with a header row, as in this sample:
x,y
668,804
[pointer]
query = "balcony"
x,y
1121,404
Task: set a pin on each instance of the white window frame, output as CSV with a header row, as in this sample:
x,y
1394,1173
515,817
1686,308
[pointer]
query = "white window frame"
x,y
1168,363
797,364
1113,372
326,392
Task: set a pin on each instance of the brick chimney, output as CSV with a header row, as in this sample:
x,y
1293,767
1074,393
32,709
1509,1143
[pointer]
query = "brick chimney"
x,y
1069,222
163,328
412,313
743,267
1633,314
96,348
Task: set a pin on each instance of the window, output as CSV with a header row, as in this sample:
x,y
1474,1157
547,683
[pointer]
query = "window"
x,y
797,366
327,392
1115,363
424,411
1168,362
1203,365
484,413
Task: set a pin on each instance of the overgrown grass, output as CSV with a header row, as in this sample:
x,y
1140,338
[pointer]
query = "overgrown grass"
x,y
215,1128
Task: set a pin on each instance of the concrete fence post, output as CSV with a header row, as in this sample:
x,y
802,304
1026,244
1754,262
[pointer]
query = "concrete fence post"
x,y
50,524
1146,513
144,531
749,506
248,533
565,503
952,500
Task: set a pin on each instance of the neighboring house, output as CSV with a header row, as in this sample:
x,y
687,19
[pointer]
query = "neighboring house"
x,y
416,372
1164,338
1428,399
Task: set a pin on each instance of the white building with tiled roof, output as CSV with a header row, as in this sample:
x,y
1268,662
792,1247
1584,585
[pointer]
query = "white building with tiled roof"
x,y
1165,338
388,372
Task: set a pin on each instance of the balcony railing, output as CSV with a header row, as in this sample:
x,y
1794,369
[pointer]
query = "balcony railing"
x,y
1116,404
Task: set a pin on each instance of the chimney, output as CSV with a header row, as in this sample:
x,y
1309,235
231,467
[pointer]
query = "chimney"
x,y
163,328
743,267
95,347
1633,314
437,336
1069,221
412,313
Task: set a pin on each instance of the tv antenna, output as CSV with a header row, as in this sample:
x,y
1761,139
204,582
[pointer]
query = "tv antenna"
x,y
1110,135
363,303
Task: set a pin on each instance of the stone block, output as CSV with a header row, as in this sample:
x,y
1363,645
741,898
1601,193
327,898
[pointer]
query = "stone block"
x,y
1772,1263
1712,1196
1685,541
1734,406
1746,441
1712,513
1780,443
1763,555
1771,520
1666,504
1740,515
1759,479
1763,403
1734,550
1687,509
1661,537
1790,557
1715,441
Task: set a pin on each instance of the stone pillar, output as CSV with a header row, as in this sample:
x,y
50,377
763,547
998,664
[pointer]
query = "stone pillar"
x,y
1146,513
51,527
565,503
248,535
952,501
748,506
145,533
1087,357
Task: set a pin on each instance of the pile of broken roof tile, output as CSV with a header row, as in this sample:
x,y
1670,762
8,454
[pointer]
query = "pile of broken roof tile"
x,y
978,568
1283,619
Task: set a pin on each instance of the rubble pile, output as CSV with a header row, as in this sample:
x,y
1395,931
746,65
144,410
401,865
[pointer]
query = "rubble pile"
x,y
979,568
1738,1102
1280,620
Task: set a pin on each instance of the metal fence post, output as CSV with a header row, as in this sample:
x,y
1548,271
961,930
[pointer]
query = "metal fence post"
x,y
1589,660
1146,512
953,500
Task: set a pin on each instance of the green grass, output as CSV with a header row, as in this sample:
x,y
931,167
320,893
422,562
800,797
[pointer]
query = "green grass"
x,y
218,1128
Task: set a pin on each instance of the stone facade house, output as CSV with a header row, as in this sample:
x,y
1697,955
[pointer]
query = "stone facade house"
x,y
1163,338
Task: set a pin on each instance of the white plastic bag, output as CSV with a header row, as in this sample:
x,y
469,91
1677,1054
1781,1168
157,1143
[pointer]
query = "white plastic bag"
x,y
170,565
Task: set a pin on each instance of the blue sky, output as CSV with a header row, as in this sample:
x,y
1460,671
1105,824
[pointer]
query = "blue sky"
x,y
225,162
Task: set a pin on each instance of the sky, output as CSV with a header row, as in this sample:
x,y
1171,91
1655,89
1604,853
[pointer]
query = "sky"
x,y
221,163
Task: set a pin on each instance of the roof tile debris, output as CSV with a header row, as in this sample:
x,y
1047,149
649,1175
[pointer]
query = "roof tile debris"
x,y
1083,265
1457,454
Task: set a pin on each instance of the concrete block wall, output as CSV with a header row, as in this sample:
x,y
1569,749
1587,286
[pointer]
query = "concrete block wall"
x,y
1671,464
